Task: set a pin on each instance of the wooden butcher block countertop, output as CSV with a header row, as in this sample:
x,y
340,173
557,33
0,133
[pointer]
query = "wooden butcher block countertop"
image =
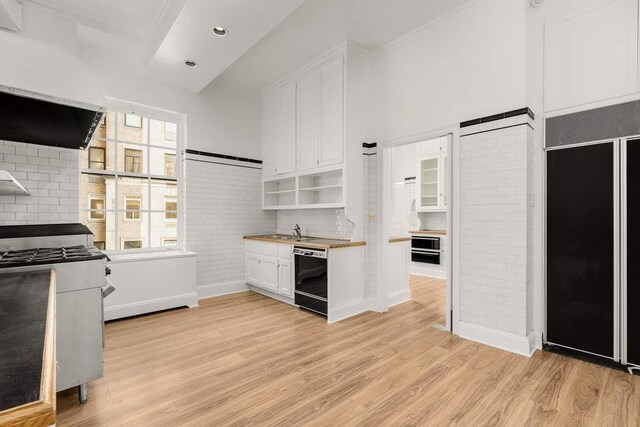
x,y
437,232
27,348
306,242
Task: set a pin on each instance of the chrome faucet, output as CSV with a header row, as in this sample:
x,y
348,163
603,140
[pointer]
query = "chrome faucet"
x,y
296,232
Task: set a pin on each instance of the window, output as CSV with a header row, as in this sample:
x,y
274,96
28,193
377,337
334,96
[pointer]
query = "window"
x,y
97,158
96,202
130,183
133,206
132,244
170,209
132,160
170,131
99,244
169,164
132,121
169,242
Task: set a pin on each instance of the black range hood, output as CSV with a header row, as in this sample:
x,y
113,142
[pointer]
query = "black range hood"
x,y
44,122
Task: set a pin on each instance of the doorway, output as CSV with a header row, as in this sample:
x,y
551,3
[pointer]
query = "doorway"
x,y
416,205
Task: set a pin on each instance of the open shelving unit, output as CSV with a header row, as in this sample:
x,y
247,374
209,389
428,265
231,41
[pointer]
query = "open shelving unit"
x,y
314,190
323,189
279,193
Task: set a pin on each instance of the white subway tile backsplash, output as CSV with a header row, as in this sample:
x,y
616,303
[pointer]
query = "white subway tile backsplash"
x,y
49,201
223,204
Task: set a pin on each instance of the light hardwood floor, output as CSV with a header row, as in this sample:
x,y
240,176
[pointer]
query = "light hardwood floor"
x,y
432,293
245,359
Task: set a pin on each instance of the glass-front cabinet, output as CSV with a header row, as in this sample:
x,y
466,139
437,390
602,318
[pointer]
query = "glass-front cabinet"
x,y
431,177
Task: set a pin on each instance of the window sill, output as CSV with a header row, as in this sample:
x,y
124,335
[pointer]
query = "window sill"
x,y
149,256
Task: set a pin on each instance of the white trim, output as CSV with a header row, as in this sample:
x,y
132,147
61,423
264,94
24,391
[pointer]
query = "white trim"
x,y
149,306
349,310
219,289
453,222
523,345
427,272
272,295
399,297
148,256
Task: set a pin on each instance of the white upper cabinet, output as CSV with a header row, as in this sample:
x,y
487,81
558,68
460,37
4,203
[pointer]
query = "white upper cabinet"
x,y
308,120
331,112
431,176
269,132
286,162
279,130
590,52
309,151
321,115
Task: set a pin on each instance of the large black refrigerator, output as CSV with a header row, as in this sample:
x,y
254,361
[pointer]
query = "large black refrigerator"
x,y
593,233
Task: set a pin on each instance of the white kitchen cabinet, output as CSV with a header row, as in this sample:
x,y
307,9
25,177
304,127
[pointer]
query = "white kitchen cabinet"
x,y
431,186
308,120
285,278
279,130
321,115
269,273
252,268
431,173
269,266
331,112
286,150
269,132
345,276
590,51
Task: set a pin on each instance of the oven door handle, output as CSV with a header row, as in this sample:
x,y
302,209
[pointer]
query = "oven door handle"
x,y
311,296
426,251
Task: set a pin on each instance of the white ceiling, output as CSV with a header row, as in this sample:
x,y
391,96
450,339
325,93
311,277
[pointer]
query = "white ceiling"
x,y
319,25
191,37
129,18
267,38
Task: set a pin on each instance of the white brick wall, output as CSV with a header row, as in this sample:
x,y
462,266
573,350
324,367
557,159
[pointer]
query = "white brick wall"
x,y
314,222
371,221
223,204
52,177
495,229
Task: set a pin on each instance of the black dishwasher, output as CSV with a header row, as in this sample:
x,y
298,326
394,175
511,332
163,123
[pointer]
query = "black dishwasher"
x,y
311,279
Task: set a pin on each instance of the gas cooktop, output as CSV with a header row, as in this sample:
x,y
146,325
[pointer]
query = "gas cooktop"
x,y
38,256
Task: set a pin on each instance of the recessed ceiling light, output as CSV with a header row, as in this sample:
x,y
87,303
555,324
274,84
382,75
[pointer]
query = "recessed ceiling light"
x,y
190,63
220,31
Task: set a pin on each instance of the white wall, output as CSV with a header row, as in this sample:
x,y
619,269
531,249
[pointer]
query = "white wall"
x,y
224,203
221,119
459,68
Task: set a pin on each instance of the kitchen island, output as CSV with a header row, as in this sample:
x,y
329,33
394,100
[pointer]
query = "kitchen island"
x,y
27,348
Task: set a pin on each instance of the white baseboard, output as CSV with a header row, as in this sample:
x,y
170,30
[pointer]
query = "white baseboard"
x,y
219,289
420,270
522,345
399,297
351,309
269,294
149,306
535,342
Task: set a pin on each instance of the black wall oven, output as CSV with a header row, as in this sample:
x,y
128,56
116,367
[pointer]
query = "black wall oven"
x,y
311,279
425,249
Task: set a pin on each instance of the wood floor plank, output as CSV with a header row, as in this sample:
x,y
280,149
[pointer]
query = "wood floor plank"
x,y
245,359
